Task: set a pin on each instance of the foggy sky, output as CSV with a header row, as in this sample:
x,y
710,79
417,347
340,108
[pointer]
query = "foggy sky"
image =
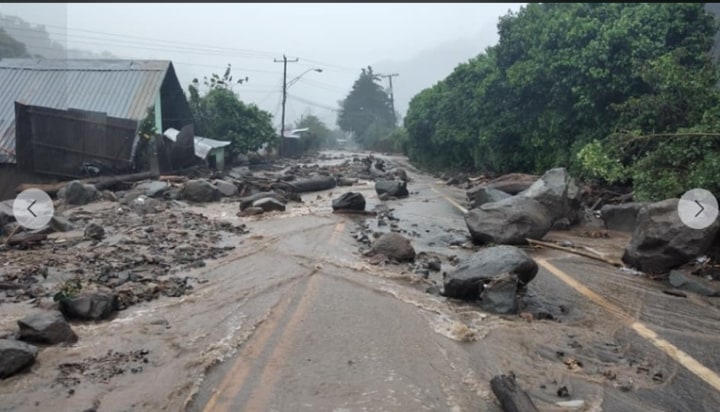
x,y
421,42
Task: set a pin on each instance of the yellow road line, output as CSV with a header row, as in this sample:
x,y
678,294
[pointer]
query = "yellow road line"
x,y
690,363
452,202
687,361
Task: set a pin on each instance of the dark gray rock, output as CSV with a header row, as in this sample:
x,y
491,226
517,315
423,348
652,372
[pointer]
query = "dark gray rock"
x,y
248,201
312,184
500,295
153,189
391,188
14,356
60,223
510,221
269,204
346,181
227,189
250,211
78,193
558,192
394,246
91,306
94,231
497,269
561,224
480,195
693,284
50,327
199,190
622,217
512,183
662,242
349,201
6,212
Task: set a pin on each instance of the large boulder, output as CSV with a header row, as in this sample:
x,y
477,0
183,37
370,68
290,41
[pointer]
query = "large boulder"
x,y
78,193
155,188
480,195
247,201
392,188
512,183
227,189
622,217
558,192
662,242
14,356
50,327
349,201
199,190
60,223
394,246
692,284
495,275
268,204
510,221
312,184
91,306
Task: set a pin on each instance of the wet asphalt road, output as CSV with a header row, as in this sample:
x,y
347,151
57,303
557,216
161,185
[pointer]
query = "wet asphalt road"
x,y
338,334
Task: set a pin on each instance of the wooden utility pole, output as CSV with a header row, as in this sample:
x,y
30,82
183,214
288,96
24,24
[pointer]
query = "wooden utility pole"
x,y
284,61
392,95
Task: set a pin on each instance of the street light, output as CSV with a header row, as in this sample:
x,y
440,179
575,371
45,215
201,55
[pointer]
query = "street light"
x,y
286,85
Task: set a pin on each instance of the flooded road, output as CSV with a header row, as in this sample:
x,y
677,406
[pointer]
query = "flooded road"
x,y
296,319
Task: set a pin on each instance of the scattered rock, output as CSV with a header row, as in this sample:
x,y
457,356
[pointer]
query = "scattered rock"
x,y
391,188
512,183
227,189
60,223
693,284
349,201
313,184
248,201
14,356
153,189
268,204
503,270
199,190
50,327
508,221
622,217
346,181
561,224
662,242
251,211
94,231
92,306
480,195
78,193
558,192
394,246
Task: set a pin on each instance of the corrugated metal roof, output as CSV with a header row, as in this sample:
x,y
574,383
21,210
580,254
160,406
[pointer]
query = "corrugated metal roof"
x,y
119,88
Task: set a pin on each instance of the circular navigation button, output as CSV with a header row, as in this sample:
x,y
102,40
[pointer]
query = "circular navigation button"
x,y
33,208
698,208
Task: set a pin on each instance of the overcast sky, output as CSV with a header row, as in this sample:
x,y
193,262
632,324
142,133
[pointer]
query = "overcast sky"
x,y
339,38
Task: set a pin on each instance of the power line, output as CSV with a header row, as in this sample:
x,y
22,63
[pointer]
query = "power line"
x,y
313,103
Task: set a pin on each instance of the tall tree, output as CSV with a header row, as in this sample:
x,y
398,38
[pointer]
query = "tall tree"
x,y
317,136
367,111
221,115
9,47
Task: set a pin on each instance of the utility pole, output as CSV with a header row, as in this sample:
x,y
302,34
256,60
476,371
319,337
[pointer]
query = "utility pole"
x,y
284,61
392,96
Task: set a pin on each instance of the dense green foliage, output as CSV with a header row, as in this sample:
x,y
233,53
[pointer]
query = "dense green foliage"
x,y
603,89
221,115
367,111
9,47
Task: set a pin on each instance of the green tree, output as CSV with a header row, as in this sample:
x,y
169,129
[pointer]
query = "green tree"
x,y
366,112
221,115
318,136
9,47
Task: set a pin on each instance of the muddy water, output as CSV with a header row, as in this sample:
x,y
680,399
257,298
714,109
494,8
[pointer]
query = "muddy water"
x,y
368,337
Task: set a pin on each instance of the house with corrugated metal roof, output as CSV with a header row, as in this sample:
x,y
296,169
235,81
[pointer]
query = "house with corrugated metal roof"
x,y
80,111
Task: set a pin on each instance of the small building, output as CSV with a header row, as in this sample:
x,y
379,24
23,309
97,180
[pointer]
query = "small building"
x,y
96,96
210,150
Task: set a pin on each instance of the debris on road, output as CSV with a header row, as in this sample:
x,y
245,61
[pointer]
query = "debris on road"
x,y
48,327
15,356
512,398
91,306
509,221
394,246
349,201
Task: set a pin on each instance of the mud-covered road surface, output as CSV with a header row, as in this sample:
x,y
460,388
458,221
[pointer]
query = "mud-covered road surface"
x,y
295,318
